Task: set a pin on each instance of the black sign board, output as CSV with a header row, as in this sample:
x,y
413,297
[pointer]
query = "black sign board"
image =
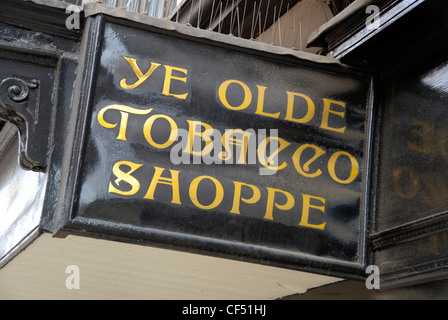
x,y
220,148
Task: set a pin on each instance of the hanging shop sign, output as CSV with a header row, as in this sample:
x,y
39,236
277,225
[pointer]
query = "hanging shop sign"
x,y
220,148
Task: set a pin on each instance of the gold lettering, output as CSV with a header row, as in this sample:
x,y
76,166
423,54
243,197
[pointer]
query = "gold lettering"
x,y
191,147
193,191
260,104
413,182
306,167
223,98
326,114
290,107
354,167
270,203
306,211
425,131
261,151
167,83
229,138
124,111
126,177
173,182
141,77
147,131
237,196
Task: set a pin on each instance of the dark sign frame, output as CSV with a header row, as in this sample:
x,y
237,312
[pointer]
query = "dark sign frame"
x,y
73,222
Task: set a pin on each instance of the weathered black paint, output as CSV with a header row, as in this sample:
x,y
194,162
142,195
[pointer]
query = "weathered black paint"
x,y
339,247
24,102
409,202
408,237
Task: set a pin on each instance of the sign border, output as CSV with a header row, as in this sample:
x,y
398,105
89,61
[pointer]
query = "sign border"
x,y
70,224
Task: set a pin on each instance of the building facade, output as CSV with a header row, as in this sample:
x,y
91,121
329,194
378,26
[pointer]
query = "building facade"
x,y
223,149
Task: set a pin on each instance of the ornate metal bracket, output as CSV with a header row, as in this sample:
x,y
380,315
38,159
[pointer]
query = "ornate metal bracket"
x,y
19,104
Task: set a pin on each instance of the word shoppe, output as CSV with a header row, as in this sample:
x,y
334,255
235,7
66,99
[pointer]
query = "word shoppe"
x,y
195,143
